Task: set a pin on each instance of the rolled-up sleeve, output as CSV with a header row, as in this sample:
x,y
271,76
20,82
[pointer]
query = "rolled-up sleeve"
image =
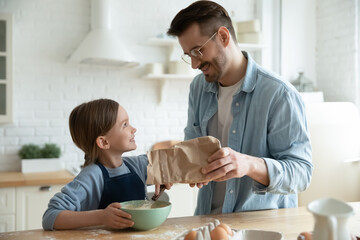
x,y
83,193
290,169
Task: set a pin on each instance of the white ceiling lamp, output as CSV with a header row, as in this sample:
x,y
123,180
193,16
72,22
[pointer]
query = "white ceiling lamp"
x,y
101,45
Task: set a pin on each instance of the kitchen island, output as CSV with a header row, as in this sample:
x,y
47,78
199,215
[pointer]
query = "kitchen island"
x,y
290,222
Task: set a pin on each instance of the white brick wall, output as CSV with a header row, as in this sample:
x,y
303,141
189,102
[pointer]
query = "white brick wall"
x,y
337,50
46,88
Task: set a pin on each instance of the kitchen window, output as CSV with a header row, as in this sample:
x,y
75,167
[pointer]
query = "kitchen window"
x,y
5,68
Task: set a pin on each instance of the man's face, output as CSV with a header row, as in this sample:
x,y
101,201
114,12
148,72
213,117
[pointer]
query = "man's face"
x,y
213,60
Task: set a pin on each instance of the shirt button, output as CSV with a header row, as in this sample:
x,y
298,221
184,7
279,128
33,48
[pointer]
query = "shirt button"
x,y
231,191
233,131
237,104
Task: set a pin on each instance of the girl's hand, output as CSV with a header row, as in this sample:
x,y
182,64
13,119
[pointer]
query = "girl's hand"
x,y
157,187
113,217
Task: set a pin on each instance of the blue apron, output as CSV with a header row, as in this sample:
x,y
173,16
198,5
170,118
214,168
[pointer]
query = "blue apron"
x,y
121,188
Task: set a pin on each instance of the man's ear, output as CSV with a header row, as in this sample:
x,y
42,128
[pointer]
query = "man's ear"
x,y
102,142
224,36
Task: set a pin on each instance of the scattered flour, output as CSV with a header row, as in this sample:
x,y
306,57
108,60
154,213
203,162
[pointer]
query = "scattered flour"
x,y
99,231
167,235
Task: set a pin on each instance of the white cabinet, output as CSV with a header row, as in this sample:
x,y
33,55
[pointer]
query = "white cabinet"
x,y
5,68
7,209
7,223
183,199
31,203
22,208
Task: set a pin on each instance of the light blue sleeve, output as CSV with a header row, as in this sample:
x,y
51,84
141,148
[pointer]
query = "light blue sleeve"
x,y
82,194
290,169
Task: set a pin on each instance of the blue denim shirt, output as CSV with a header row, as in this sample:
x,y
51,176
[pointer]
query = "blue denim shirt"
x,y
268,122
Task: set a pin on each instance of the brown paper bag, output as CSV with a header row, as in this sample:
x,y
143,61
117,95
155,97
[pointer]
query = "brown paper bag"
x,y
182,162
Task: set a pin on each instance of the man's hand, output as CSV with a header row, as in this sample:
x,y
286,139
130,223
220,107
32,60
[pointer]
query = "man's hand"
x,y
226,163
113,217
199,185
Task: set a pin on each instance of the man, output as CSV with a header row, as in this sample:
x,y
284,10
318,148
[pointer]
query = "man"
x,y
258,118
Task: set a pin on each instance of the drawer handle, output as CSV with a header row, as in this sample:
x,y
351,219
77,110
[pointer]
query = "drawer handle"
x,y
45,188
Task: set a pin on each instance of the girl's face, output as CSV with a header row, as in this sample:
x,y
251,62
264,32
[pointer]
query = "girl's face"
x,y
121,137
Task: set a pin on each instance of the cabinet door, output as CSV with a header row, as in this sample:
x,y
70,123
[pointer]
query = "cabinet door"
x,y
7,223
31,203
7,209
7,200
5,67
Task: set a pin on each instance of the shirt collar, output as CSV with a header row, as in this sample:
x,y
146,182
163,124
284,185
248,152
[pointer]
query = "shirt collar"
x,y
250,76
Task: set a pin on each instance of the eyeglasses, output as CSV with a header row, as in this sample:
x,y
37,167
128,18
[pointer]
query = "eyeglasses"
x,y
195,53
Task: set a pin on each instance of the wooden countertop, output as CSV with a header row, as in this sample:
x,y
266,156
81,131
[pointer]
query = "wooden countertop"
x,y
290,222
15,179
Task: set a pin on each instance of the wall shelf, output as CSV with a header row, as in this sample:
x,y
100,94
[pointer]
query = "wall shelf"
x,y
162,41
168,76
162,78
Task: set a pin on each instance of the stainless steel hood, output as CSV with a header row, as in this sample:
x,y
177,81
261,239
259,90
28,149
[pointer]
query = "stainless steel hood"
x,y
102,46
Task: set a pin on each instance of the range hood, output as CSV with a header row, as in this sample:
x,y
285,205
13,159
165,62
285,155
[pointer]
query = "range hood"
x,y
102,46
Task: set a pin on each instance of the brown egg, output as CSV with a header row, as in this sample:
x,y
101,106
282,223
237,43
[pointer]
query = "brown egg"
x,y
191,235
227,228
304,236
219,233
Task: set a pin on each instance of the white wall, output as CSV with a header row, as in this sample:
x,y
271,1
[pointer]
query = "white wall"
x,y
357,75
322,38
46,88
298,39
337,49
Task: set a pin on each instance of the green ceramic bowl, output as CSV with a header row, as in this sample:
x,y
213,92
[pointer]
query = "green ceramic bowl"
x,y
146,214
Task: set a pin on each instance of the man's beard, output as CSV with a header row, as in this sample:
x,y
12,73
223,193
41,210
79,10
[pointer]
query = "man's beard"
x,y
218,64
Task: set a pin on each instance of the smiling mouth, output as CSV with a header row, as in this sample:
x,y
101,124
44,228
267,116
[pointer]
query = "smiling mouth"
x,y
204,67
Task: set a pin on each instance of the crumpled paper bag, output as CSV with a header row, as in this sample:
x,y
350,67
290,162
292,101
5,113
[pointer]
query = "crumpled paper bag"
x,y
182,162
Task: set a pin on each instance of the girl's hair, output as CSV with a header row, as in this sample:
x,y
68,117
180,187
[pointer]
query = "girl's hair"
x,y
90,120
209,15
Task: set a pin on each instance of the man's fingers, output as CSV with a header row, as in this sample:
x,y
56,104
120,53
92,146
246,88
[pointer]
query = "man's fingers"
x,y
227,176
221,153
215,165
220,172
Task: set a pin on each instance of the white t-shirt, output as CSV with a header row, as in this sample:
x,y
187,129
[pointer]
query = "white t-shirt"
x,y
218,127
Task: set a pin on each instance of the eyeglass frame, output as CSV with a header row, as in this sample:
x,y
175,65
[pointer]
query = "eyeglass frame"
x,y
196,53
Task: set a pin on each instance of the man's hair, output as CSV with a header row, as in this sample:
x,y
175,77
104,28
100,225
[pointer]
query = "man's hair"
x,y
209,15
90,120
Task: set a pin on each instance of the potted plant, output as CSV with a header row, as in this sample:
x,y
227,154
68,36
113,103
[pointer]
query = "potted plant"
x,y
40,159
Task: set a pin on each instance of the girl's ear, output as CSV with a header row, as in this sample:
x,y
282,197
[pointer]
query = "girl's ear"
x,y
102,143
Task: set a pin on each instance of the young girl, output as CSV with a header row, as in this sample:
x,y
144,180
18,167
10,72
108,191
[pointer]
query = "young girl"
x,y
102,130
